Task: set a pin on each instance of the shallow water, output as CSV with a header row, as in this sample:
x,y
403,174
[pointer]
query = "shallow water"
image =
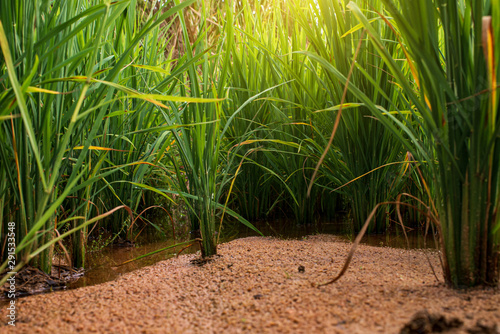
x,y
105,265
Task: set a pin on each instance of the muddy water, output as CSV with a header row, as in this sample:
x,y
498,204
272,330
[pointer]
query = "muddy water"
x,y
107,264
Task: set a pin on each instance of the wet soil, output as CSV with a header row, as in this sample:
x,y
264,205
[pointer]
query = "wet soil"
x,y
266,285
32,281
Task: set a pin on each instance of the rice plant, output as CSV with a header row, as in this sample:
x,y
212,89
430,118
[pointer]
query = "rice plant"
x,y
452,49
204,177
281,122
63,81
363,142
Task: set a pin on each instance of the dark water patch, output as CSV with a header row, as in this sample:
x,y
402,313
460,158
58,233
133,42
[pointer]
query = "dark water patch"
x,y
416,240
283,228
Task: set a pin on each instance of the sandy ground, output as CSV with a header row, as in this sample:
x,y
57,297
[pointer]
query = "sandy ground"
x,y
255,286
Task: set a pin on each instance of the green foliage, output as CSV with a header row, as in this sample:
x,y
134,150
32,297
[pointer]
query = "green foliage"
x,y
238,108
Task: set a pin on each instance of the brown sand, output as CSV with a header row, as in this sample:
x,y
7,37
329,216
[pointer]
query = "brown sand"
x,y
255,286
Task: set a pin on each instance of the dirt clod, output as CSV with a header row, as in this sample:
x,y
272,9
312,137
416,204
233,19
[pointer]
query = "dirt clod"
x,y
203,261
30,280
424,322
484,327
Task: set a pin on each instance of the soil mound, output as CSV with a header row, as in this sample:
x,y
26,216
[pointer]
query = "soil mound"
x,y
257,285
